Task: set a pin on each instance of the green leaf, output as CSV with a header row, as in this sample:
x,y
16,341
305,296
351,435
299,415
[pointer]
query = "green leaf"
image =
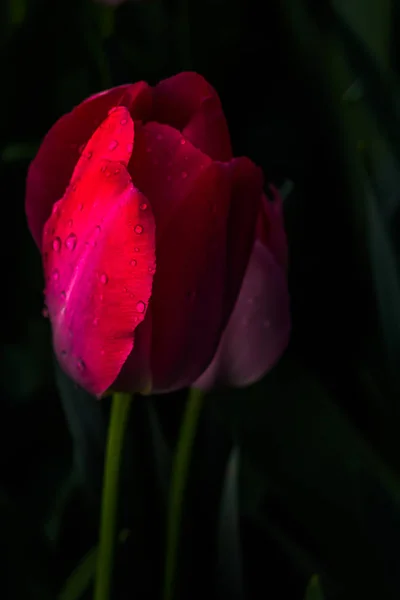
x,y
314,591
80,579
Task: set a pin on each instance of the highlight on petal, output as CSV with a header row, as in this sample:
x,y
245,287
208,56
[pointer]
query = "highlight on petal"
x,y
51,169
99,262
259,328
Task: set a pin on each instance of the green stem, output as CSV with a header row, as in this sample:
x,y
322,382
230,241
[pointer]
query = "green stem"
x,y
116,431
179,478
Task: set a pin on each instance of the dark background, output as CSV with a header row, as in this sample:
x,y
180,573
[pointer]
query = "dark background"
x,y
310,92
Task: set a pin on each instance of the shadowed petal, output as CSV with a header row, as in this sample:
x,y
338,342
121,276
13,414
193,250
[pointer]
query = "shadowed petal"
x,y
165,167
51,169
259,328
190,104
188,293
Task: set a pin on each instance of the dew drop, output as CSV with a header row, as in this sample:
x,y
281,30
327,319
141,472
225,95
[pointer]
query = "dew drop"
x,y
183,142
70,222
117,171
129,147
184,175
95,321
112,110
143,206
80,365
89,155
80,206
136,249
63,353
56,245
103,278
112,145
101,297
62,296
133,262
70,242
140,306
151,270
103,169
97,229
56,275
159,137
138,229
123,121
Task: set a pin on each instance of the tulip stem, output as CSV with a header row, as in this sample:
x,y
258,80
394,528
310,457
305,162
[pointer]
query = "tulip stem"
x,y
109,504
178,482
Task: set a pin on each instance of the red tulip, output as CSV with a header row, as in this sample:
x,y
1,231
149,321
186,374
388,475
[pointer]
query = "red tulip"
x,y
164,262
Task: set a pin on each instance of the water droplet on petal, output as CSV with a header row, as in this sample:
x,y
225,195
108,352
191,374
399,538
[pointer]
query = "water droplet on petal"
x,y
123,121
63,353
113,109
143,206
56,275
103,169
80,206
101,297
112,145
56,245
183,142
133,262
136,249
62,296
184,174
138,229
70,222
140,306
103,278
70,242
95,321
152,270
89,155
80,365
129,147
148,149
97,229
159,137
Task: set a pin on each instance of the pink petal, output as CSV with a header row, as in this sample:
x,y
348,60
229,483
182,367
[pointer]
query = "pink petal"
x,y
51,169
270,227
99,260
190,104
259,328
165,167
188,292
246,193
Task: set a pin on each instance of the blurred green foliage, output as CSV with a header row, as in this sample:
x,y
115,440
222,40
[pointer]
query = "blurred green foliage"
x,y
310,90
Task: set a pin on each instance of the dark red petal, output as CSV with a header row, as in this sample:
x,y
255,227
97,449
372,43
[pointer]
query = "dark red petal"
x,y
190,104
270,227
259,328
188,292
165,167
51,169
99,260
208,130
